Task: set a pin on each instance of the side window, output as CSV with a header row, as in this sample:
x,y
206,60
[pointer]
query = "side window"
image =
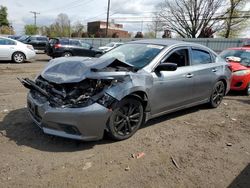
x,y
7,42
200,57
74,43
180,57
32,39
85,45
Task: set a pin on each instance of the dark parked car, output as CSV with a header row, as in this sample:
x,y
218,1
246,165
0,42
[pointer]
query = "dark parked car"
x,y
38,42
63,47
80,98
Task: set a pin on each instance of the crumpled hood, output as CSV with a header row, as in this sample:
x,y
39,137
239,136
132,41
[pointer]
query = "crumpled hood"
x,y
76,69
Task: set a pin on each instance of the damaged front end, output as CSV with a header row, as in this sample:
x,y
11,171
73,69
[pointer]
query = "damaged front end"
x,y
71,95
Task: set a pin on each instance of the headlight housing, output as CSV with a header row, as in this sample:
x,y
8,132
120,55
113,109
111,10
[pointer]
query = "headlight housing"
x,y
107,101
241,72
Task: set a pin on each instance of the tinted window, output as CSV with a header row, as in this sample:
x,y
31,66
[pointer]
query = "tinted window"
x,y
6,42
74,43
85,45
42,38
200,57
64,41
180,57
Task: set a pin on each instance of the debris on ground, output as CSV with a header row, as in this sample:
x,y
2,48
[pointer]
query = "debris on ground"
x,y
127,168
5,111
174,162
225,103
138,155
87,166
187,123
233,119
229,144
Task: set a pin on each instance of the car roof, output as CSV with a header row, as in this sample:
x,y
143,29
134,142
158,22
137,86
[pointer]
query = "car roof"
x,y
239,48
164,42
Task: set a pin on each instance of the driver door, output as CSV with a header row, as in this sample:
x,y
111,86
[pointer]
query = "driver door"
x,y
172,89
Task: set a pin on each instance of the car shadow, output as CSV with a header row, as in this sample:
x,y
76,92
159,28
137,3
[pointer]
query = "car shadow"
x,y
18,127
175,114
243,179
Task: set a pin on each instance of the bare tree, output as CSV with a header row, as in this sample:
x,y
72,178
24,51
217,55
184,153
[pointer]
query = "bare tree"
x,y
156,26
188,18
235,20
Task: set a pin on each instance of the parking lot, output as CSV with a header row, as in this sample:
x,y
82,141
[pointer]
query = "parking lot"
x,y
196,147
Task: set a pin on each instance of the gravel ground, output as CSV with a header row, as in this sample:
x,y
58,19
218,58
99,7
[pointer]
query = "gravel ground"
x,y
196,147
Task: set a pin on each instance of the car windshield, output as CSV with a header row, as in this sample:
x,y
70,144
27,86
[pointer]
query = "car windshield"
x,y
240,56
137,55
24,37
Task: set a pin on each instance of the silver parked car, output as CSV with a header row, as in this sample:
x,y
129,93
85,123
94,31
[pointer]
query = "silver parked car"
x,y
80,98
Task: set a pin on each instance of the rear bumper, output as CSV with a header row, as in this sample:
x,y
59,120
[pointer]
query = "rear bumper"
x,y
30,55
86,123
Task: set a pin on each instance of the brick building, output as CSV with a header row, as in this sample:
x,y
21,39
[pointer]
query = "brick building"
x,y
98,29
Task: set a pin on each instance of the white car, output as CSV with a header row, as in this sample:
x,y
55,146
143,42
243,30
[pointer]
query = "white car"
x,y
110,46
16,51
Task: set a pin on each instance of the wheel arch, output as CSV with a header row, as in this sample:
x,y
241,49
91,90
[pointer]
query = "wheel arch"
x,y
142,96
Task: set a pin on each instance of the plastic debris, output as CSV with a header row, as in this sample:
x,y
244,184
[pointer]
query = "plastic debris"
x,y
175,163
229,144
127,168
138,155
87,166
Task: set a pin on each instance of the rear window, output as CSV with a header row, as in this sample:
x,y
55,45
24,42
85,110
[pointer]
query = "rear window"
x,y
74,43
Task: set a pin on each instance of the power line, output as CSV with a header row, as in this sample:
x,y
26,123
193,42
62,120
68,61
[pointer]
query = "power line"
x,y
35,15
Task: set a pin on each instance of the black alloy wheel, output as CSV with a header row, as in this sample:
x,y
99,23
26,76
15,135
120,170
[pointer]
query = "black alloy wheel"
x,y
217,94
126,119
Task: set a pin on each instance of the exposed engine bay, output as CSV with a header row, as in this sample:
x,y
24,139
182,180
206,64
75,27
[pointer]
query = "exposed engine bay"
x,y
70,95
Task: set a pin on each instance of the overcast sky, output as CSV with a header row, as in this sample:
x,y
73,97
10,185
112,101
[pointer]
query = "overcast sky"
x,y
80,10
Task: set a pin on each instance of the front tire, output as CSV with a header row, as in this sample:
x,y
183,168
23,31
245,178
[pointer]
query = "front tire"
x,y
18,57
126,119
217,94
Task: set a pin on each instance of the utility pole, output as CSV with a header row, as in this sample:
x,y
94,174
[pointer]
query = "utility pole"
x,y
107,24
35,13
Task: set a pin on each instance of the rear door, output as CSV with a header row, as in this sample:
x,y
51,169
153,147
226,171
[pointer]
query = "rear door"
x,y
206,72
7,48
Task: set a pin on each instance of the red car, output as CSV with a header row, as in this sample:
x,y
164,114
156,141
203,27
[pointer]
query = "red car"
x,y
239,59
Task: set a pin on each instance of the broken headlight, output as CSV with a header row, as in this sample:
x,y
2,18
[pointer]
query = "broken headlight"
x,y
107,101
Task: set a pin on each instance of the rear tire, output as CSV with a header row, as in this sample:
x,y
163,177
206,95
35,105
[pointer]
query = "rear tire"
x,y
67,54
247,90
217,94
18,57
126,119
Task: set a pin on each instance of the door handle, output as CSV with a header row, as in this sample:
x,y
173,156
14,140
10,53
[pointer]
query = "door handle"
x,y
214,70
189,75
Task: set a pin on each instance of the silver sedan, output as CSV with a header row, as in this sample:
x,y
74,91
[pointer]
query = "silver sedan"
x,y
81,98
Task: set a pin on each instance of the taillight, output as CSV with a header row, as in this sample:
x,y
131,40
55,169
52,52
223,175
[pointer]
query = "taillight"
x,y
58,46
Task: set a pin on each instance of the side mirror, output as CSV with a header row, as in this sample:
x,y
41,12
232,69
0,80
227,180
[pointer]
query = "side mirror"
x,y
166,67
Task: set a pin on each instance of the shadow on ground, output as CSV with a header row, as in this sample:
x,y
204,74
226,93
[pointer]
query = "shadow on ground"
x,y
18,127
242,180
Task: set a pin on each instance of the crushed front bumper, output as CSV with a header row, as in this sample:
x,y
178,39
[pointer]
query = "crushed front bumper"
x,y
86,123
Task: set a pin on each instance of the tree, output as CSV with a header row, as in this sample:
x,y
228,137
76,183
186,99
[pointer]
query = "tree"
x,y
61,26
139,35
156,26
78,29
7,30
30,29
3,16
235,21
188,18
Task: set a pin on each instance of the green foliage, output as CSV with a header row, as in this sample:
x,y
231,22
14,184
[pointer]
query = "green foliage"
x,y
30,29
3,16
6,30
